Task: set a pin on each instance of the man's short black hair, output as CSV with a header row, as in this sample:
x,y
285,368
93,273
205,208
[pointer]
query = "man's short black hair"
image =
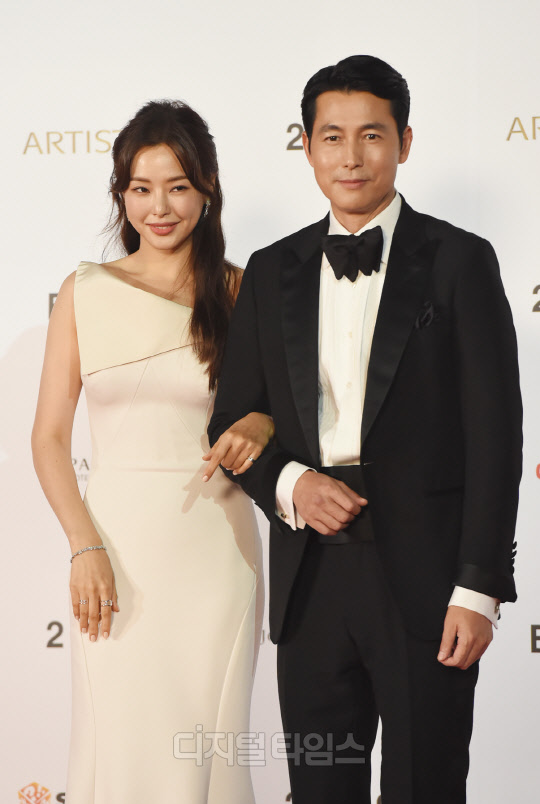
x,y
358,74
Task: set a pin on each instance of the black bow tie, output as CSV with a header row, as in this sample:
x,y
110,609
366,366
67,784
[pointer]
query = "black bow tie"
x,y
348,254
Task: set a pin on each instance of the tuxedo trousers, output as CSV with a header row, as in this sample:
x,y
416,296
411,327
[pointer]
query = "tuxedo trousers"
x,y
345,660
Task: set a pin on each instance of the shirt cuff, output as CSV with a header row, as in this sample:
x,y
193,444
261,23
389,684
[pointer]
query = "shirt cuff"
x,y
476,601
286,482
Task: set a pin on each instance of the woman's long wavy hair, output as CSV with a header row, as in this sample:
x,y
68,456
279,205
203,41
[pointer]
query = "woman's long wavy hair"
x,y
175,124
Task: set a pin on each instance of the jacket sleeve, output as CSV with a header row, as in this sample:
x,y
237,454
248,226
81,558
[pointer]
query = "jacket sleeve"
x,y
241,390
491,415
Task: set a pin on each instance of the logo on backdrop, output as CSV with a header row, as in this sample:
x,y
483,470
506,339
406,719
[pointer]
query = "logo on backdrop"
x,y
38,794
57,630
524,128
82,468
70,142
296,143
535,638
34,794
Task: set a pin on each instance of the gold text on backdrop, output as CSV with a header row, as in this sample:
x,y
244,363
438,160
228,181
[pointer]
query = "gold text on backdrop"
x,y
71,142
518,128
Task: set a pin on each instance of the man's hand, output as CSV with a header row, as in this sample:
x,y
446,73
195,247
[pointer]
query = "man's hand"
x,y
326,504
466,636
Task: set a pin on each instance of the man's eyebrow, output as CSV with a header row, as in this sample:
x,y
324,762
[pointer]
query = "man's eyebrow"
x,y
366,126
376,126
329,127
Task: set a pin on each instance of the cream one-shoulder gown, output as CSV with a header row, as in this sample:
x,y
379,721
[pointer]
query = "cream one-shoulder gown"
x,y
159,709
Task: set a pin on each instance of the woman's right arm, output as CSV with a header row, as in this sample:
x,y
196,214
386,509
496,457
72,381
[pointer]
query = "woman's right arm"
x,y
92,577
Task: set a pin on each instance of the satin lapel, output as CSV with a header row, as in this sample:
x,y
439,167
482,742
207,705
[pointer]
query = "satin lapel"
x,y
300,285
409,266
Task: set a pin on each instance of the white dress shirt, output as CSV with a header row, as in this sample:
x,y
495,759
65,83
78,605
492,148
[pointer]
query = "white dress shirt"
x,y
347,315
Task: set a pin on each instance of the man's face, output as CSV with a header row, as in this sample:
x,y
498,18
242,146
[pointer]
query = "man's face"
x,y
355,151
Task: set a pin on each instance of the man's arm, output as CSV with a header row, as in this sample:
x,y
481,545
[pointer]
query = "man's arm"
x,y
491,413
241,390
328,505
486,354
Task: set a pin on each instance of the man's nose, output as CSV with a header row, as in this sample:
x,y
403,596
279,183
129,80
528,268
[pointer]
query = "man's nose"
x,y
354,154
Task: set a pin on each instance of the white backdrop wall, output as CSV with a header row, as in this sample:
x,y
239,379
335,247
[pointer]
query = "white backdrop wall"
x,y
73,73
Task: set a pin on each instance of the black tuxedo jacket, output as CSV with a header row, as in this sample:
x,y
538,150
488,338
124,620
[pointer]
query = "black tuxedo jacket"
x,y
441,425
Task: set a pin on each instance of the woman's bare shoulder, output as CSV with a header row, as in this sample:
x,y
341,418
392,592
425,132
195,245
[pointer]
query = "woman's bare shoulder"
x,y
65,294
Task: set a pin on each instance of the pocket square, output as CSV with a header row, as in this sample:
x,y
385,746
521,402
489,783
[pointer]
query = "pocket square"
x,y
427,316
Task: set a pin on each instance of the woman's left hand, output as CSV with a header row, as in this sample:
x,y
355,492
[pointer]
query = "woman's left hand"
x,y
240,446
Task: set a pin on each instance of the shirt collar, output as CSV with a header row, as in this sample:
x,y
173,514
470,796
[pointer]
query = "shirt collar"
x,y
386,219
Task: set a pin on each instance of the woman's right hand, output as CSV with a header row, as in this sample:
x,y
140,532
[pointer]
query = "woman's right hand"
x,y
92,580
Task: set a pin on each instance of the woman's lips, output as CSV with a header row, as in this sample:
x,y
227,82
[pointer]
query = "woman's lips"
x,y
162,228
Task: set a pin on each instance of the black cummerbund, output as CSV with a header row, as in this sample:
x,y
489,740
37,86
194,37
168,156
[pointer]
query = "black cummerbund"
x,y
360,529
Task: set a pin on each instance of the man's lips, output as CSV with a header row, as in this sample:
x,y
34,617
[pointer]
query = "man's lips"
x,y
352,182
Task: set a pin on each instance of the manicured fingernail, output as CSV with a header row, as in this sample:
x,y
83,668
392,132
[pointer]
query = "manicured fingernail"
x,y
77,617
441,656
235,472
93,638
105,635
84,630
205,478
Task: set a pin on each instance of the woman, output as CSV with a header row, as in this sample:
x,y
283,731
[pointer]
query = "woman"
x,y
173,667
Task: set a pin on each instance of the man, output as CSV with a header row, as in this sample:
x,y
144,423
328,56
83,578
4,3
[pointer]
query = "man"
x,y
392,483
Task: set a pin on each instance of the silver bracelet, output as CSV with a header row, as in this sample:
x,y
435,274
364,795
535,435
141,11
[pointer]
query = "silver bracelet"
x,y
95,547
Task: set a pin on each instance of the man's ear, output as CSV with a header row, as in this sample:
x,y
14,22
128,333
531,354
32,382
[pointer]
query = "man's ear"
x,y
406,145
305,143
